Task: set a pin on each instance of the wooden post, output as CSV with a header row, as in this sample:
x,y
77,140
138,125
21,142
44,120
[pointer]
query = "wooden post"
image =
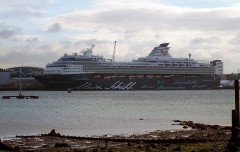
x,y
233,143
236,86
235,113
234,126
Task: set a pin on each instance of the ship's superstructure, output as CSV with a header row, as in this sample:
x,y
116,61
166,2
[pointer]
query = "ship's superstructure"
x,y
157,71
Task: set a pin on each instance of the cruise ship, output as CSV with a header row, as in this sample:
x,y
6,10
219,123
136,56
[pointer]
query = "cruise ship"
x,y
157,71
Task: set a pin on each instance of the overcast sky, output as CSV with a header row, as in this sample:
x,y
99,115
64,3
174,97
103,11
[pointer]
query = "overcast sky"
x,y
37,32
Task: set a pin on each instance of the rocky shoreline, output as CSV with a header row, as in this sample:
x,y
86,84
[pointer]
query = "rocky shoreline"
x,y
193,137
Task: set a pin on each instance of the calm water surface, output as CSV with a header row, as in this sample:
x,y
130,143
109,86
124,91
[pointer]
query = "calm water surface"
x,y
84,113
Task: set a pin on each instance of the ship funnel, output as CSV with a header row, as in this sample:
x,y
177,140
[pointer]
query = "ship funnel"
x,y
114,50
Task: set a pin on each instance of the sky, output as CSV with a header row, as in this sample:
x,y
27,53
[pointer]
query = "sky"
x,y
35,33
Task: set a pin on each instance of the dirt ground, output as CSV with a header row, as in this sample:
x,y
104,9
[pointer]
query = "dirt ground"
x,y
194,137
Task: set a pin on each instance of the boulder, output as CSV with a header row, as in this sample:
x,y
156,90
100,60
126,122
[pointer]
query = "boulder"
x,y
5,147
61,145
53,133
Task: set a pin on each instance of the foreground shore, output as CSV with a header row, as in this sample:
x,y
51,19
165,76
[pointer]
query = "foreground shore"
x,y
194,137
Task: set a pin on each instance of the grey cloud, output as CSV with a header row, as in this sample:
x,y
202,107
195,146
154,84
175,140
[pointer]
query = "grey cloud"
x,y
20,13
131,33
199,41
160,18
202,41
235,40
22,9
5,34
155,17
32,39
40,54
210,20
56,27
28,55
14,58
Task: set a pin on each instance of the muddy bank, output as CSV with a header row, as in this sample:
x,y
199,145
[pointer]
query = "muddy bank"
x,y
193,137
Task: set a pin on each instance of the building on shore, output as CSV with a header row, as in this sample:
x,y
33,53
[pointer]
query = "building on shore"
x,y
10,79
5,77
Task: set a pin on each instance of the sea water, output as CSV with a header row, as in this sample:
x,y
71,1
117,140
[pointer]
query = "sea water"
x,y
87,113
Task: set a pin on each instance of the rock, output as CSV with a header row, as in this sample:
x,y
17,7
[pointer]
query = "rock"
x,y
182,123
190,122
79,150
61,145
141,119
103,149
53,133
140,147
30,150
193,126
215,127
149,148
44,145
16,148
176,121
204,150
226,128
201,126
106,144
94,150
164,148
153,146
5,147
185,127
177,149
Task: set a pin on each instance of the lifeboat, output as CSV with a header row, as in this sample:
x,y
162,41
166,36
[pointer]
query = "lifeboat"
x,y
149,76
97,76
139,76
122,76
131,76
106,77
113,76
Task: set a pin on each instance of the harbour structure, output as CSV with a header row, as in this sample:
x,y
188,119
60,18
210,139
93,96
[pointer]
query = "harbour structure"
x,y
4,77
157,71
20,96
10,79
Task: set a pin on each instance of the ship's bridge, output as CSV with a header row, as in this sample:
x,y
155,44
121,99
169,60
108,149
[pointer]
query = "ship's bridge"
x,y
87,55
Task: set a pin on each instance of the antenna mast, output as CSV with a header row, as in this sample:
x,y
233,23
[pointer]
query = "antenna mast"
x,y
20,86
92,47
114,50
